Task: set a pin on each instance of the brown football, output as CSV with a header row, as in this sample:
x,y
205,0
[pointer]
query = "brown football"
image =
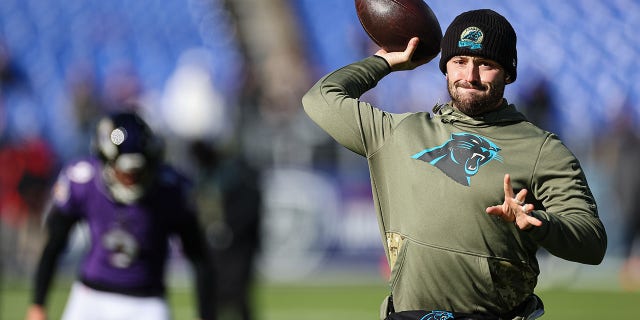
x,y
391,23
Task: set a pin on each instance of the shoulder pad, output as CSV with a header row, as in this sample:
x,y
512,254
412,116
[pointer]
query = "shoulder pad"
x,y
80,172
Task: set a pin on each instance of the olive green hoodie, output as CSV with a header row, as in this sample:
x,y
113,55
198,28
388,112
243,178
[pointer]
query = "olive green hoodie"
x,y
433,176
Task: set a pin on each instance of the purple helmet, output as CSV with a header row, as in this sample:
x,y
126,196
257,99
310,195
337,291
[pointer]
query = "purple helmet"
x,y
130,152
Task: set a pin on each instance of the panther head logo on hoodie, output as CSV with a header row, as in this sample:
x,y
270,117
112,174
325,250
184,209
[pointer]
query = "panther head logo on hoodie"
x,y
461,156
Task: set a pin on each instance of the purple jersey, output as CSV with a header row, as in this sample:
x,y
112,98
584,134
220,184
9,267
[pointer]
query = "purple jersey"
x,y
129,243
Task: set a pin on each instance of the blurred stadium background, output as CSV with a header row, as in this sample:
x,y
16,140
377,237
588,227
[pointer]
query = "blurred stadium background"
x,y
231,73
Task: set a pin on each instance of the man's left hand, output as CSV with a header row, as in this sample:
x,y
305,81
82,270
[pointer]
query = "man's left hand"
x,y
514,209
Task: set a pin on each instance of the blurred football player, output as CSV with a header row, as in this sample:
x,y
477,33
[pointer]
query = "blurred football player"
x,y
133,203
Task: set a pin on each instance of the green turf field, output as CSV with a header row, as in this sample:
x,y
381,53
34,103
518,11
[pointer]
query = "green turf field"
x,y
352,302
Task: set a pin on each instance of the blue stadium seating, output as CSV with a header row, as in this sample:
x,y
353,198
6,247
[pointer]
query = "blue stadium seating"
x,y
48,37
586,48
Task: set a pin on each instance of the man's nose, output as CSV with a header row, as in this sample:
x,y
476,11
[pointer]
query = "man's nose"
x,y
472,73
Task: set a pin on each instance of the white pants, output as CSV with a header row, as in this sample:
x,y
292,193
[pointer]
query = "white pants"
x,y
86,303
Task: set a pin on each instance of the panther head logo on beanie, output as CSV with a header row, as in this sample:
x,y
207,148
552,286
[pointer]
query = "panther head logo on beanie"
x,y
482,33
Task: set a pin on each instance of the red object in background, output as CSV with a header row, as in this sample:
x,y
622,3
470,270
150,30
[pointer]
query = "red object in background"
x,y
26,171
385,270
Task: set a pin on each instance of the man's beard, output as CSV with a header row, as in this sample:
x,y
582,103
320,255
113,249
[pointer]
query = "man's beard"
x,y
477,103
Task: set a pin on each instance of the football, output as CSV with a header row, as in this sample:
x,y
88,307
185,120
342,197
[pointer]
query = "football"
x,y
391,23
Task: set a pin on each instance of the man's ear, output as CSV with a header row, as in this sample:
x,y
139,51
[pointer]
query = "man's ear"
x,y
507,78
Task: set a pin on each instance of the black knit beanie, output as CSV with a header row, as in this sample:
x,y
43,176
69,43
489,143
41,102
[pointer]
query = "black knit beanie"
x,y
484,33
